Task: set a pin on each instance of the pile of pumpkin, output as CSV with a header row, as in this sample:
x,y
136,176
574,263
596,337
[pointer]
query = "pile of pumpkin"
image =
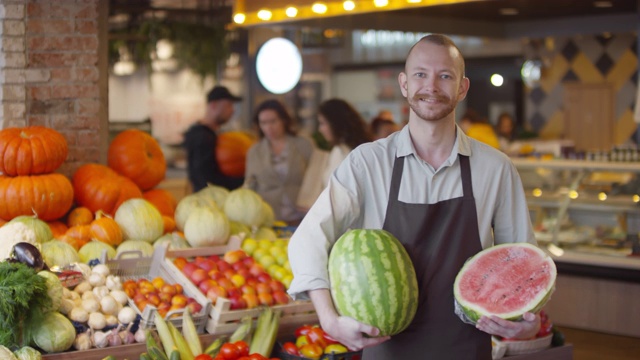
x,y
115,207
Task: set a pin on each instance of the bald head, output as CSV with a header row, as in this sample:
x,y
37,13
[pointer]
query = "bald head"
x,y
442,40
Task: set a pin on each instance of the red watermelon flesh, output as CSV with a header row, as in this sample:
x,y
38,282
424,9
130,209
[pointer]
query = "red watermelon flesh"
x,y
505,280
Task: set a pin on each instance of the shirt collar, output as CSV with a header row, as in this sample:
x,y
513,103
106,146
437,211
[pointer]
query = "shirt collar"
x,y
461,146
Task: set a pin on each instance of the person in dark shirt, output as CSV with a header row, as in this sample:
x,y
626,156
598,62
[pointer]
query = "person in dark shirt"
x,y
201,139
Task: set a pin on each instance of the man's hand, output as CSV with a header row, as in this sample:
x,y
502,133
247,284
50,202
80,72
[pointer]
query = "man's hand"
x,y
346,330
351,333
525,329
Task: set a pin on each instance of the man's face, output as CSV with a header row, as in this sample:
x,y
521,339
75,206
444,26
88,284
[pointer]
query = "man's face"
x,y
433,82
225,111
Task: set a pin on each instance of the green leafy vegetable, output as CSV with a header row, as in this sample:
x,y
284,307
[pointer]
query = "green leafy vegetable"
x,y
23,299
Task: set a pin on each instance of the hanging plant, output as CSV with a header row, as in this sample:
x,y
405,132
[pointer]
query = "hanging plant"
x,y
198,47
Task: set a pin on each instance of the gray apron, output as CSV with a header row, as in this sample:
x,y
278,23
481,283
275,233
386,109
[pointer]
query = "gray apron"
x,y
439,238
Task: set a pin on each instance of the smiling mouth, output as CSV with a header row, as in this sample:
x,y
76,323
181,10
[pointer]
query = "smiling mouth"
x,y
428,99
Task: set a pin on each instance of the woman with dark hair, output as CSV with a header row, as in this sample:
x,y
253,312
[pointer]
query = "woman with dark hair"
x,y
277,163
344,129
382,127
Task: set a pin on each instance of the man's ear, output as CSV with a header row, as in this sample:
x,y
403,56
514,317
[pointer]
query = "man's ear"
x,y
402,81
463,89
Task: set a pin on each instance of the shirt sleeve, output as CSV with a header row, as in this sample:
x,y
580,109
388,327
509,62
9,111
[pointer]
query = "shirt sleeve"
x,y
336,209
511,220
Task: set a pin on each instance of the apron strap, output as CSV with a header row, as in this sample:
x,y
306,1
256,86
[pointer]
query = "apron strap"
x,y
465,171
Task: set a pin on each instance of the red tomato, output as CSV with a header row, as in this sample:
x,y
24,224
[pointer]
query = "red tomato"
x,y
244,358
218,357
243,347
316,336
203,357
311,351
290,348
256,356
229,351
303,330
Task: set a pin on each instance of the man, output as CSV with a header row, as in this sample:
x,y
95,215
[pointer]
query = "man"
x,y
443,195
201,139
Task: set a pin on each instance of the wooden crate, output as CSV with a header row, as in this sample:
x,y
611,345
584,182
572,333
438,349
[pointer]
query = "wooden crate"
x,y
122,352
223,320
138,266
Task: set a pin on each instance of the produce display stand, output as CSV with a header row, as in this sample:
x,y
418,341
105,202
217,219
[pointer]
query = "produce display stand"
x,y
130,352
222,320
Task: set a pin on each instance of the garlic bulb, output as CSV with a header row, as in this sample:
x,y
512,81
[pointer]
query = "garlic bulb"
x,y
100,339
101,269
82,341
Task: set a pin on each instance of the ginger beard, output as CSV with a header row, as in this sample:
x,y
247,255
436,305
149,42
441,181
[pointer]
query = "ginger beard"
x,y
431,107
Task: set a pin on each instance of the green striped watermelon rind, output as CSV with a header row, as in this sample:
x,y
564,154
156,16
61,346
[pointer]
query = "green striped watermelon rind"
x,y
390,312
474,312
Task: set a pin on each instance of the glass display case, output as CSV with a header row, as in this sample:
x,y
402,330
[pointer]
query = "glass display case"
x,y
586,215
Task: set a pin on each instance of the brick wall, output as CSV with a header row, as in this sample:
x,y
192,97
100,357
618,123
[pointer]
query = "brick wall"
x,y
50,73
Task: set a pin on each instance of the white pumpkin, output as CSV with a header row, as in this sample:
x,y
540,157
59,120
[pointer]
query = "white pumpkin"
x,y
244,206
206,227
139,220
186,206
217,194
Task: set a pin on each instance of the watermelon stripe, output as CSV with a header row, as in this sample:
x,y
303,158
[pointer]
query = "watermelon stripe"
x,y
373,280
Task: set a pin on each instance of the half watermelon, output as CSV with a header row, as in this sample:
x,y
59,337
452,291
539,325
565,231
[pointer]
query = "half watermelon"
x,y
505,280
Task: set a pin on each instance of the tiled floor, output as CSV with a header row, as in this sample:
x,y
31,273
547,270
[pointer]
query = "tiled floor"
x,y
589,345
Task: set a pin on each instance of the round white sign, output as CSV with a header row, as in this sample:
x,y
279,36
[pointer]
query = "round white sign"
x,y
279,65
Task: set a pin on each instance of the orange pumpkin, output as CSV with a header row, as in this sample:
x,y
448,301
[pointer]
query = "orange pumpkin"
x,y
79,216
80,232
50,196
105,229
58,228
97,187
169,224
138,156
31,150
76,243
231,152
163,200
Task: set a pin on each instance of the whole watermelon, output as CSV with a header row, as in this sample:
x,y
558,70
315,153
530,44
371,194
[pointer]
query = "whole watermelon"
x,y
505,280
373,280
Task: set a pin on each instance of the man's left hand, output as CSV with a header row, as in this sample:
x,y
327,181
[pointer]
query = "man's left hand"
x,y
525,329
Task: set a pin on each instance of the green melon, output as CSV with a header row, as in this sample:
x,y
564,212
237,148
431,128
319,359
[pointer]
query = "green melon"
x,y
373,280
506,281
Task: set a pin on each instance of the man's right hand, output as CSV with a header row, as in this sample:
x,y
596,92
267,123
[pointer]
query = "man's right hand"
x,y
353,334
346,330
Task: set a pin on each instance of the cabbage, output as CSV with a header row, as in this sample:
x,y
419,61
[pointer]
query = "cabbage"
x,y
135,245
174,240
54,333
54,287
59,253
93,250
28,353
6,354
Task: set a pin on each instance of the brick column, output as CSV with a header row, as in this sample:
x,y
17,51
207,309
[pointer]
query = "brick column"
x,y
50,72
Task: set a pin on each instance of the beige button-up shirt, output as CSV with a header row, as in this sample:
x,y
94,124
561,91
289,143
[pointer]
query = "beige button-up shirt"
x,y
358,192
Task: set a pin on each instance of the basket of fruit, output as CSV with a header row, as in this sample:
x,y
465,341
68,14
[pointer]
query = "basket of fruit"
x,y
542,341
311,342
153,289
237,286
